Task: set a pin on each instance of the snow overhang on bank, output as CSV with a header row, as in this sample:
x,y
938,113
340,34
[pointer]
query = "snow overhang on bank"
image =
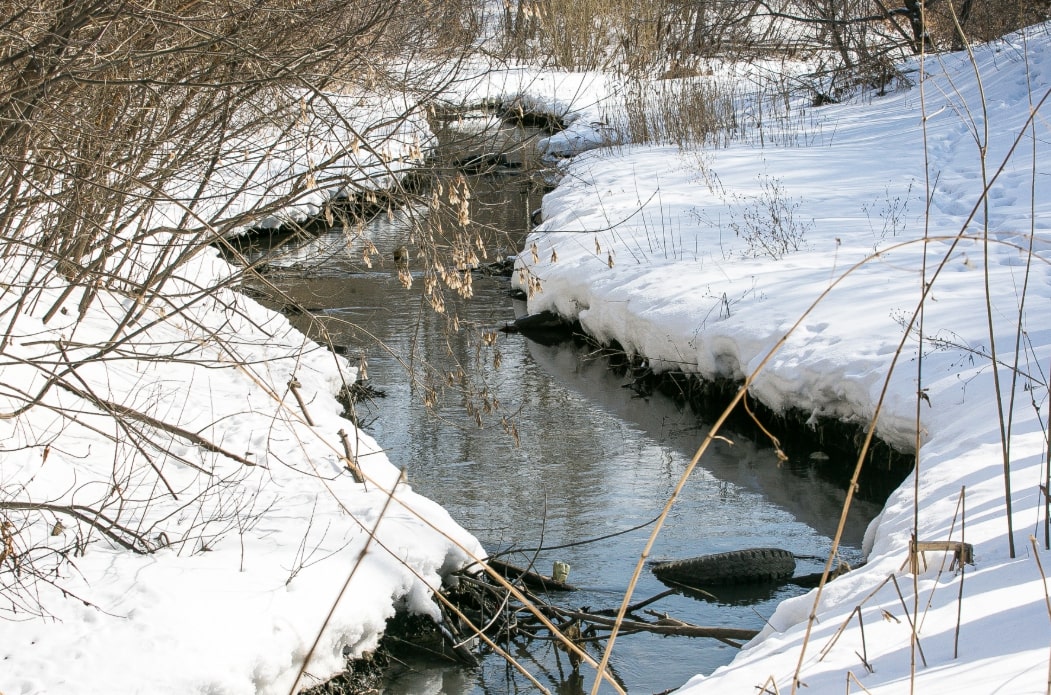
x,y
344,148
178,511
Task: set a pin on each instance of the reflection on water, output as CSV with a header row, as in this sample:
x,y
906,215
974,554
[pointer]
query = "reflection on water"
x,y
591,459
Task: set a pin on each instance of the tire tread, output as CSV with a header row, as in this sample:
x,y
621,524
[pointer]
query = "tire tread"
x,y
746,566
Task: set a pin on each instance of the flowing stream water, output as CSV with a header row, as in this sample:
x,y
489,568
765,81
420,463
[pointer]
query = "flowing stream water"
x,y
591,459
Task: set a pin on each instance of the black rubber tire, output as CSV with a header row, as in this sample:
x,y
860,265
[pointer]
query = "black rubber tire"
x,y
735,567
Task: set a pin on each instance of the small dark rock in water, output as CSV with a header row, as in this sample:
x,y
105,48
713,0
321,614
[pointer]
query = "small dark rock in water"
x,y
502,268
546,328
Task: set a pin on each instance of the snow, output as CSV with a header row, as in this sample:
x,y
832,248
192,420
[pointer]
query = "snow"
x,y
802,268
343,145
236,525
670,252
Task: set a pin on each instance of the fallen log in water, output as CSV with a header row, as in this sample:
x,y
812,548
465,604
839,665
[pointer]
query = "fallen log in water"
x,y
665,625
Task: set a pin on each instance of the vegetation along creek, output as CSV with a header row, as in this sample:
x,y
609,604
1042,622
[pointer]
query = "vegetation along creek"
x,y
570,459
486,348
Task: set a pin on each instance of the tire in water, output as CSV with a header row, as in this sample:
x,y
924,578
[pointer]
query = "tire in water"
x,y
748,566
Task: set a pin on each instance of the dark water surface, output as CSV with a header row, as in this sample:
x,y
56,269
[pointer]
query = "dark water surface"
x,y
591,459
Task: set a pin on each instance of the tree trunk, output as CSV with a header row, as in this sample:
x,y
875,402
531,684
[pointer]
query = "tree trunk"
x,y
921,40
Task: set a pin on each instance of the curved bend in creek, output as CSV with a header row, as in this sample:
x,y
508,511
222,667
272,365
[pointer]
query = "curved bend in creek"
x,y
565,454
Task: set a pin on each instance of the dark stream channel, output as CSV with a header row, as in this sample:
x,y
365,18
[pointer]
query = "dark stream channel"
x,y
591,459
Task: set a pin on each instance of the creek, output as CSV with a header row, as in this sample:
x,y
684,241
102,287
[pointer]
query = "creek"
x,y
586,458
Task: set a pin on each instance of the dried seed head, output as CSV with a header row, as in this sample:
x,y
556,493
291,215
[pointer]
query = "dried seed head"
x,y
405,277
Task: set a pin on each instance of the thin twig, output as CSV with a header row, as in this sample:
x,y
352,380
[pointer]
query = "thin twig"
x,y
912,624
963,572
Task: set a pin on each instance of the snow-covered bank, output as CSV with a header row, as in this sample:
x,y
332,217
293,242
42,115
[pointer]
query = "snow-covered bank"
x,y
343,146
704,261
580,101
172,519
249,551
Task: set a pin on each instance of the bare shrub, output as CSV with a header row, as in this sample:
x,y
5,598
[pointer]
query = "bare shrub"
x,y
132,136
981,21
768,222
636,37
681,112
